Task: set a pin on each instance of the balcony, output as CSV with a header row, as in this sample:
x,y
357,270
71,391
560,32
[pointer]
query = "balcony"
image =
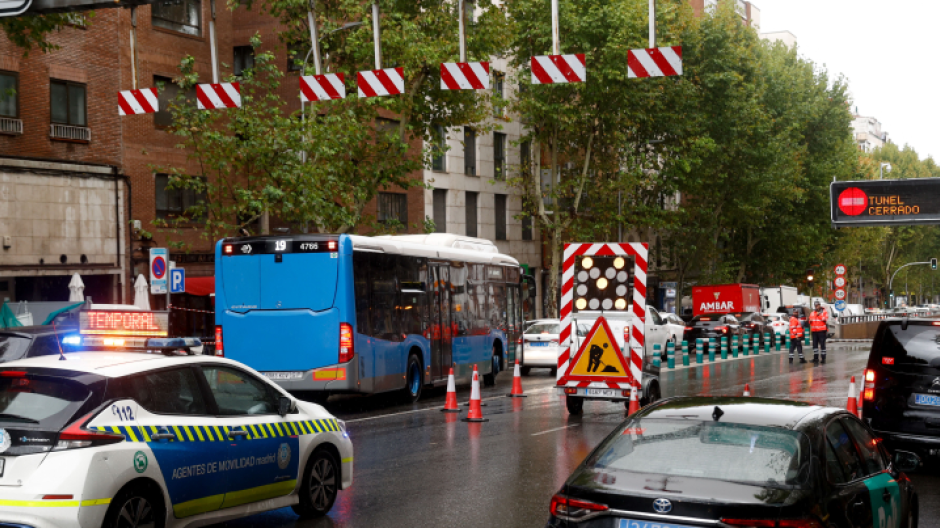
x,y
10,126
75,134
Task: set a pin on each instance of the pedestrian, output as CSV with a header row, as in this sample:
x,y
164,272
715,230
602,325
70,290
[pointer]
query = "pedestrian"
x,y
818,320
796,336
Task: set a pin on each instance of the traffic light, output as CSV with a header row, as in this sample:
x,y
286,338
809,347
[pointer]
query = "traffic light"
x,y
933,264
809,280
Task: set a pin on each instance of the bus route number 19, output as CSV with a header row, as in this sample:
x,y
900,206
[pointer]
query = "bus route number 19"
x,y
280,245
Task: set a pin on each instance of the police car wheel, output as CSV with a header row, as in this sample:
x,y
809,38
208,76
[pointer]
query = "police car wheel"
x,y
320,485
137,506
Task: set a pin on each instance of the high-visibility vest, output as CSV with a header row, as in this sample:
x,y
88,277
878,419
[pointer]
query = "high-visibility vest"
x,y
796,328
817,321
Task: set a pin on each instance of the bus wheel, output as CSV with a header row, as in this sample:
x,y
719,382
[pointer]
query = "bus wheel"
x,y
490,379
525,370
575,404
413,382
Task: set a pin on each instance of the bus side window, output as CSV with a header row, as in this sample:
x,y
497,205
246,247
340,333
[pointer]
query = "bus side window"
x,y
385,324
460,299
361,274
412,277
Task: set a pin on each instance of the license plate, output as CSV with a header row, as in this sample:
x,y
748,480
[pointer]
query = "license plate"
x,y
283,375
600,392
537,343
927,399
630,523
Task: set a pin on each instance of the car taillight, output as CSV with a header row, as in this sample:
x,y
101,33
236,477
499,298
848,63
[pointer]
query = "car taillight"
x,y
346,347
772,523
77,436
869,393
218,341
722,329
574,509
689,329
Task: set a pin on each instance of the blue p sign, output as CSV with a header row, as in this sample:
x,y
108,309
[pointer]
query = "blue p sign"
x,y
177,280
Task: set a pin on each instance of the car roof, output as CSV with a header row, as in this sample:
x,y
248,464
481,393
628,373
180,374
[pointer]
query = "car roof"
x,y
37,330
765,412
112,364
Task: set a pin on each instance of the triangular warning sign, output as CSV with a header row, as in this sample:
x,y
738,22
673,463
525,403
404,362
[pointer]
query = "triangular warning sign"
x,y
599,357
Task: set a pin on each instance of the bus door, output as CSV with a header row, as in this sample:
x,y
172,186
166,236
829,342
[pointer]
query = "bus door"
x,y
440,331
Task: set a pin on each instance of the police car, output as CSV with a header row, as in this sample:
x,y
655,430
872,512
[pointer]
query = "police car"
x,y
110,437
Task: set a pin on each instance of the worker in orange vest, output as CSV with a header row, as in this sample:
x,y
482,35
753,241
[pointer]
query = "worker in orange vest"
x,y
817,325
796,336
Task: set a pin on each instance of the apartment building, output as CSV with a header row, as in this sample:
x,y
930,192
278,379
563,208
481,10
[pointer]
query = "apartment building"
x,y
868,133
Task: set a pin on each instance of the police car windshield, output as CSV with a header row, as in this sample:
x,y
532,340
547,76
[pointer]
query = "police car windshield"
x,y
766,456
47,401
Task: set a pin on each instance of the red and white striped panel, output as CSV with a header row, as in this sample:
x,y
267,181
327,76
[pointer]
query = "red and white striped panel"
x,y
322,87
640,252
376,83
465,76
654,62
132,102
558,69
217,96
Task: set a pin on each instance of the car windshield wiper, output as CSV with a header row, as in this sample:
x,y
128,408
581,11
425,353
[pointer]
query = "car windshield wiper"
x,y
4,416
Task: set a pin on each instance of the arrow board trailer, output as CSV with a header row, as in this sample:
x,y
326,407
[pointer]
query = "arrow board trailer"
x,y
604,285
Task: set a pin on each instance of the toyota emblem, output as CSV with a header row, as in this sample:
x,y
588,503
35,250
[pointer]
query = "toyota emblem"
x,y
662,506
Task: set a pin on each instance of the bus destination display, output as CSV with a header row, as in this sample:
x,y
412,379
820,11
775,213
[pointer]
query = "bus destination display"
x,y
885,202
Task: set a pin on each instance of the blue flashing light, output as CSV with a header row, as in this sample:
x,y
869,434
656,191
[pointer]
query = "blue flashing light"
x,y
73,340
173,342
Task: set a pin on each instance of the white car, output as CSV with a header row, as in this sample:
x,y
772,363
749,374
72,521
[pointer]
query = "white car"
x,y
130,439
540,346
779,321
663,328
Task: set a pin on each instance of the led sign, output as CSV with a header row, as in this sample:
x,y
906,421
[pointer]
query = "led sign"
x,y
100,322
885,202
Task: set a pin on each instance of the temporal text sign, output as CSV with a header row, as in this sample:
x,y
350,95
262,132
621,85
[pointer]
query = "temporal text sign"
x,y
885,202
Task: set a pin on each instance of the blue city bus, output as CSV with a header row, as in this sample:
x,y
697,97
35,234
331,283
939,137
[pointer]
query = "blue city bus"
x,y
330,314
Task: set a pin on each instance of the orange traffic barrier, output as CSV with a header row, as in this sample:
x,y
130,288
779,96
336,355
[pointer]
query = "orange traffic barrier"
x,y
634,402
476,413
852,404
747,389
516,384
450,405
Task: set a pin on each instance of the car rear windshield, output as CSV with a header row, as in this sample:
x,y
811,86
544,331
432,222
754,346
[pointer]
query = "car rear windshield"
x,y
13,346
47,401
915,350
544,328
765,456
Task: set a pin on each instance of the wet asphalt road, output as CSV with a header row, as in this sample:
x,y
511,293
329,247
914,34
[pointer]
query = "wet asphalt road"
x,y
416,466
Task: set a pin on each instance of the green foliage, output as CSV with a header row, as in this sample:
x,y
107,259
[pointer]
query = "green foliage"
x,y
33,31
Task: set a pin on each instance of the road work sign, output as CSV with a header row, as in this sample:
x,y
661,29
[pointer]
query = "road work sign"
x,y
599,357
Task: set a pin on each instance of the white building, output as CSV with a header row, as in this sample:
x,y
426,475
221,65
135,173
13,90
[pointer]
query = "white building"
x,y
788,39
868,133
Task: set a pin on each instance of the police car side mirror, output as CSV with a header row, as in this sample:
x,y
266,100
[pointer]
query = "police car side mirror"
x,y
285,406
906,461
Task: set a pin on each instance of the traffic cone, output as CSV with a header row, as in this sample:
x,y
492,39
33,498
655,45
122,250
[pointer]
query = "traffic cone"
x,y
747,390
516,383
450,405
476,413
852,404
634,402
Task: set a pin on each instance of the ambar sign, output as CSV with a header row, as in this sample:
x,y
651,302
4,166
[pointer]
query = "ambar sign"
x,y
885,202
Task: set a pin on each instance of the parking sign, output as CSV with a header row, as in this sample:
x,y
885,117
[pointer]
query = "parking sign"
x,y
158,266
177,280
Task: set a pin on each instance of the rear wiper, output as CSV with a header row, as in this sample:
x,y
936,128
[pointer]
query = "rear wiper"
x,y
4,416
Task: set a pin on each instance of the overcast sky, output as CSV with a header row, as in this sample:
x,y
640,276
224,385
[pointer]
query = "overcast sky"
x,y
885,49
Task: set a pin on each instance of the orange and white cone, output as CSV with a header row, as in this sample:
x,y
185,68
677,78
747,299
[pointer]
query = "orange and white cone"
x,y
747,390
476,413
634,402
516,384
450,405
852,404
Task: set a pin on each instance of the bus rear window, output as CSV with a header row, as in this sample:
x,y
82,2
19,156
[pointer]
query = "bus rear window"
x,y
916,349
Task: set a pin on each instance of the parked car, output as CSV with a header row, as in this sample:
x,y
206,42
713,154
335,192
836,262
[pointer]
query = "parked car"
x,y
32,341
713,327
755,324
540,344
663,328
780,322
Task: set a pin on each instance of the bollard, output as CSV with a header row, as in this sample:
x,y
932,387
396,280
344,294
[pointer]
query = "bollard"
x,y
778,340
698,352
807,342
734,347
724,347
671,354
786,340
685,353
755,344
745,346
711,350
657,356
768,339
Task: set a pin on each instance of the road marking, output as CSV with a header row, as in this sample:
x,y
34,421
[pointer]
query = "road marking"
x,y
555,429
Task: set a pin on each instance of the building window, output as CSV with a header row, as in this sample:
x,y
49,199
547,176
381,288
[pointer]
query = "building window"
x,y
499,85
438,149
393,207
469,7
296,55
440,210
527,227
469,151
176,202
184,16
68,103
244,59
525,156
499,156
8,95
500,204
167,91
471,211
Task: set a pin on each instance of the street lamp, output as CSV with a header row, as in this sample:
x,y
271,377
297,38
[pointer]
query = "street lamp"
x,y
881,170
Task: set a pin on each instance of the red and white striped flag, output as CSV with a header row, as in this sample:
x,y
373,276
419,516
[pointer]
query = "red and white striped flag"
x,y
558,69
216,96
322,87
465,76
654,62
132,102
376,83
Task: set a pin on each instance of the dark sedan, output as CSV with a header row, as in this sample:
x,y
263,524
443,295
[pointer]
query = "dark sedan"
x,y
754,324
739,462
713,326
31,341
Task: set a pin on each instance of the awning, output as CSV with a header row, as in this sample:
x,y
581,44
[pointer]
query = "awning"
x,y
200,285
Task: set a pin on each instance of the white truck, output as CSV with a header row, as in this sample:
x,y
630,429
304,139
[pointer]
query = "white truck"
x,y
776,297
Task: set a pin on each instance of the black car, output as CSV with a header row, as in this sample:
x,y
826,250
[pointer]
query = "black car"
x,y
739,462
714,326
31,341
901,393
755,324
